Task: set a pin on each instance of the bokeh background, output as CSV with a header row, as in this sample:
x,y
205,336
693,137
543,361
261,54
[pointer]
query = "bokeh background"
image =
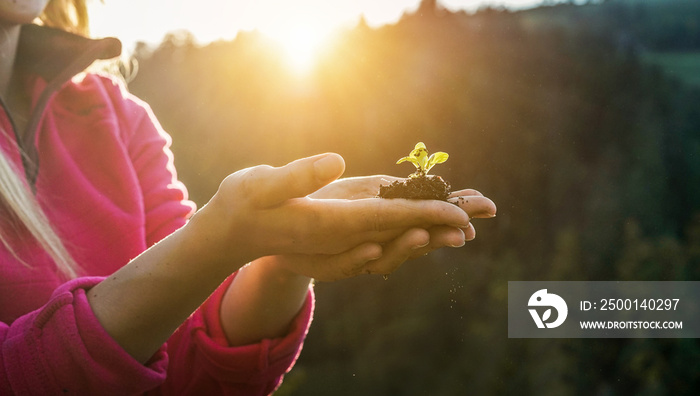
x,y
581,121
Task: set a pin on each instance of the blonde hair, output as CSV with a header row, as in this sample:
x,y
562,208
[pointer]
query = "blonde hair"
x,y
24,209
24,212
69,15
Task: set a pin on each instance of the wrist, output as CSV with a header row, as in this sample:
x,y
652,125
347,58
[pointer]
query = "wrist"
x,y
215,246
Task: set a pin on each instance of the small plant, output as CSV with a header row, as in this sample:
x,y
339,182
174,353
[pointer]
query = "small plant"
x,y
419,185
419,158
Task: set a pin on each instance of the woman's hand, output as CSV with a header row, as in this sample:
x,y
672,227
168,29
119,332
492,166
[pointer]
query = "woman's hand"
x,y
413,242
266,295
263,211
340,231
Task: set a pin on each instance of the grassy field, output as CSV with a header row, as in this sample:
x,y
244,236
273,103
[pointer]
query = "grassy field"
x,y
683,65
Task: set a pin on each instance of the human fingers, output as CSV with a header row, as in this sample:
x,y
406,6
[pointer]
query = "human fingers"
x,y
476,206
353,187
375,215
469,232
396,252
270,186
332,267
310,226
444,236
465,192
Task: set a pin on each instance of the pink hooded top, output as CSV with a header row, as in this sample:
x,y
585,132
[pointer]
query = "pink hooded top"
x,y
101,169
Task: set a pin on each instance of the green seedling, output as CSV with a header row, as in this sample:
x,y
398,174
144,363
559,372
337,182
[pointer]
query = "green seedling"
x,y
420,159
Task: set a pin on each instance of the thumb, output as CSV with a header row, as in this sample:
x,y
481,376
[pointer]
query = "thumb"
x,y
298,178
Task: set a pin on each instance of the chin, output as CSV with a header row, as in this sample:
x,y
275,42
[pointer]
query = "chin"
x,y
20,12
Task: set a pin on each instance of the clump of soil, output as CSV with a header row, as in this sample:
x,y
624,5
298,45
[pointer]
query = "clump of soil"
x,y
417,187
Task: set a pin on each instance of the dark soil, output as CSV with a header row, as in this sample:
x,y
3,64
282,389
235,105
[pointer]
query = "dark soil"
x,y
420,187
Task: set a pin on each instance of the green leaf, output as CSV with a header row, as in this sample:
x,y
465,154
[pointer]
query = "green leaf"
x,y
411,160
419,158
420,145
436,158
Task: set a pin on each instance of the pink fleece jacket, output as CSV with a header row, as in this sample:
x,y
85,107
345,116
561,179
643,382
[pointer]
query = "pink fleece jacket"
x,y
102,170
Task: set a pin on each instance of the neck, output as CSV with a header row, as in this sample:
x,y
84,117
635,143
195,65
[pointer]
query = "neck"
x,y
9,38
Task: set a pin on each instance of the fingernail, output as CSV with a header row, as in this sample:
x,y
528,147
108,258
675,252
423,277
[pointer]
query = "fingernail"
x,y
373,257
458,245
416,247
483,215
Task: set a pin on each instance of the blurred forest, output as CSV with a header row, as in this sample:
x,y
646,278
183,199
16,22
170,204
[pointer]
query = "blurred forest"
x,y
582,122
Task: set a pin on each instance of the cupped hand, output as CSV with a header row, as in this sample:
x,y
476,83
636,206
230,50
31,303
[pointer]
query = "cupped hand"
x,y
471,201
266,210
387,257
475,205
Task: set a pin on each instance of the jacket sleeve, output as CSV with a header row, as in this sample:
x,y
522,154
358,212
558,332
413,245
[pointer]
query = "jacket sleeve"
x,y
62,349
200,360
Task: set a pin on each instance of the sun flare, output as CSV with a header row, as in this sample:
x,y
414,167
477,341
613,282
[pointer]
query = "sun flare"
x,y
301,44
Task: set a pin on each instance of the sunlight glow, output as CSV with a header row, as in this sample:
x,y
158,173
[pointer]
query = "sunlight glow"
x,y
301,45
300,26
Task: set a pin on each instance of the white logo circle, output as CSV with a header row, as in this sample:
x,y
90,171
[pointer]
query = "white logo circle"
x,y
543,299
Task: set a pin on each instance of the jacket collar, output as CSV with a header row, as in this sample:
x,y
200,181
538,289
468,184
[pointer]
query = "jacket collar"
x,y
56,56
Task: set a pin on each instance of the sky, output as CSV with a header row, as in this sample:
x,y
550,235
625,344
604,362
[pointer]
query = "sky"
x,y
209,20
